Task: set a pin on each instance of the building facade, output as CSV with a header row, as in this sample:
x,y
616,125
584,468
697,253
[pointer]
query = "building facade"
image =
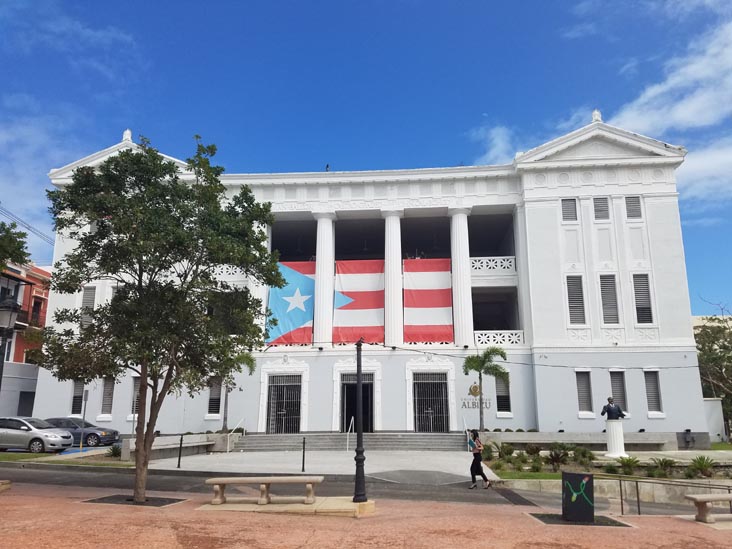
x,y
570,258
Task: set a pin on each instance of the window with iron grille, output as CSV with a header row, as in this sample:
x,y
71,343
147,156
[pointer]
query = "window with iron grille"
x,y
569,209
135,394
617,386
77,401
633,207
642,290
576,300
584,391
87,302
602,208
653,392
107,395
503,395
214,395
609,296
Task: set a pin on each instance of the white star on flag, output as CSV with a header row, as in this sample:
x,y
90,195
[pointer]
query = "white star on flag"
x,y
297,301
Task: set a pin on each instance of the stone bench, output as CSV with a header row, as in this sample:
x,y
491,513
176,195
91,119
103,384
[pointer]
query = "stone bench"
x,y
4,485
703,504
265,497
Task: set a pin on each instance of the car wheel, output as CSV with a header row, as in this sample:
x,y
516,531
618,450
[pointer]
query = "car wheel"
x,y
92,440
36,446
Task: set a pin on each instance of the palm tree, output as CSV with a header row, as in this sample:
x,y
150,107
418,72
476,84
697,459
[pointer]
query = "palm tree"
x,y
484,365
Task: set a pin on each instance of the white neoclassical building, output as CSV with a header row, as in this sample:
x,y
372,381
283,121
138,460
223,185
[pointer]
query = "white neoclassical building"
x,y
570,258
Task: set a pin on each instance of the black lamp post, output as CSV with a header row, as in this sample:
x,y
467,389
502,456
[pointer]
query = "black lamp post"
x,y
8,314
359,493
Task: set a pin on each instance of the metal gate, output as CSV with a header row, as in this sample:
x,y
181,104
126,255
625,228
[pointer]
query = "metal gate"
x,y
431,409
348,401
283,404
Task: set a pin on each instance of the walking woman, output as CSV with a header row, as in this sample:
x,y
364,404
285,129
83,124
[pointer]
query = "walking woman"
x,y
476,468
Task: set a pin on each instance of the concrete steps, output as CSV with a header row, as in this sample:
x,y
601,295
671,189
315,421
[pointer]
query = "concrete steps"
x,y
445,442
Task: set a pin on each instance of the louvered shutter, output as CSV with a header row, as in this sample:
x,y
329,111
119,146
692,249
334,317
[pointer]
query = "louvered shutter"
x,y
584,391
107,395
214,396
87,302
77,400
653,391
576,300
617,386
135,394
602,208
503,396
569,209
609,295
633,207
643,312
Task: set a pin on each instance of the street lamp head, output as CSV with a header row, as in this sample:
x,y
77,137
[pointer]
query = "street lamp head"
x,y
8,313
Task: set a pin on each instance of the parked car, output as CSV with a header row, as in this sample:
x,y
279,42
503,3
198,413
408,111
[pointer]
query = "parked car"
x,y
81,429
32,434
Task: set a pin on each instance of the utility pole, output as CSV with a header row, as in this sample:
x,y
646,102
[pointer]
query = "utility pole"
x,y
359,494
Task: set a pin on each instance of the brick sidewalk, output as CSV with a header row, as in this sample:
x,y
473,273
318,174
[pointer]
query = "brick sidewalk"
x,y
54,516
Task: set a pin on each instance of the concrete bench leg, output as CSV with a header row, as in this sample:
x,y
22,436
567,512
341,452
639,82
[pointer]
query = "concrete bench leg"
x,y
703,513
219,496
264,496
309,493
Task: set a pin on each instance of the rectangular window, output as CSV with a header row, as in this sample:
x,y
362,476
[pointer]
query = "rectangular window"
x,y
135,394
633,207
108,395
643,312
576,300
653,392
609,296
602,208
503,395
214,395
569,209
36,312
77,401
87,302
584,391
9,348
617,386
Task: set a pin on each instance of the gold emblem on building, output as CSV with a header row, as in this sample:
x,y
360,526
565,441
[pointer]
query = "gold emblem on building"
x,y
474,390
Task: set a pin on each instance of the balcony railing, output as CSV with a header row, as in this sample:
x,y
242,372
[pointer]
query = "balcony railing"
x,y
500,338
493,265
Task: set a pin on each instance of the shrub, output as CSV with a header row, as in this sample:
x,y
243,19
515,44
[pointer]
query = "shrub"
x,y
582,455
504,450
532,430
664,466
611,469
497,465
518,465
691,472
628,464
536,465
652,472
521,457
508,430
487,453
519,430
703,465
497,430
114,451
533,449
558,455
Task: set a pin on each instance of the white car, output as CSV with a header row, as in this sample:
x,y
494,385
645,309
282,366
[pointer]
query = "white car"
x,y
32,434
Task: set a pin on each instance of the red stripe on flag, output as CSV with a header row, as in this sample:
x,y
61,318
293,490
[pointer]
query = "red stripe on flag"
x,y
428,334
300,335
364,300
360,266
304,267
426,265
370,334
423,299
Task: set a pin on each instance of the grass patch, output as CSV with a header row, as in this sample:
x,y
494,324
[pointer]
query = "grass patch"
x,y
19,456
513,475
95,463
721,446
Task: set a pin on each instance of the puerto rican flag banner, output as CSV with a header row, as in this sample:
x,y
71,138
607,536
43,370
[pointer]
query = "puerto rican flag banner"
x,y
358,308
292,305
427,301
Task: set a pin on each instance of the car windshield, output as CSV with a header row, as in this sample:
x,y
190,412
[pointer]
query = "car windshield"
x,y
87,424
38,423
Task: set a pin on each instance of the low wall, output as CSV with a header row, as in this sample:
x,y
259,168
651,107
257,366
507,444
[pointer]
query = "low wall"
x,y
168,446
592,441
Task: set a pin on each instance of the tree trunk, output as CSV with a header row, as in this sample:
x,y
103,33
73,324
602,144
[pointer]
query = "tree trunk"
x,y
140,453
480,400
225,422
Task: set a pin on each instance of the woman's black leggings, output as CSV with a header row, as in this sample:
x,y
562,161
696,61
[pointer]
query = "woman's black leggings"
x,y
476,468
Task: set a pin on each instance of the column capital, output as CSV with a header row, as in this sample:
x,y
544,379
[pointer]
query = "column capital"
x,y
392,213
325,215
456,211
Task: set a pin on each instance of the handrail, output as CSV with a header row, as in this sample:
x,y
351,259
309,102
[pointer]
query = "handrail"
x,y
348,432
231,432
467,435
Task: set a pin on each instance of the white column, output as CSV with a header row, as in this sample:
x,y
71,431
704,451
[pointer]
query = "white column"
x,y
462,299
615,439
324,278
393,295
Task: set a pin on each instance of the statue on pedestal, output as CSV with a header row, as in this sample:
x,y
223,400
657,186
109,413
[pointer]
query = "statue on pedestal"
x,y
615,439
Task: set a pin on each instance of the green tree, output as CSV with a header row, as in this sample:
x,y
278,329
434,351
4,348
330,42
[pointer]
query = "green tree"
x,y
160,235
484,364
714,346
12,245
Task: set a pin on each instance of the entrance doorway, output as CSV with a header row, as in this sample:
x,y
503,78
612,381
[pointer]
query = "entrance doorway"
x,y
348,402
283,404
431,410
25,403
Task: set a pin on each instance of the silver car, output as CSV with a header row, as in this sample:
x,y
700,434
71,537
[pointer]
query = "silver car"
x,y
32,434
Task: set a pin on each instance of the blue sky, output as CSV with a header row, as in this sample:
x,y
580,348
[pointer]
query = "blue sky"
x,y
291,86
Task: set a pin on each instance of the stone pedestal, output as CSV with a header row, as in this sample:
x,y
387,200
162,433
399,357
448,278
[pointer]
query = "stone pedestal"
x,y
615,441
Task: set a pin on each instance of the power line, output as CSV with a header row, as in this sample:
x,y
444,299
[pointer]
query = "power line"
x,y
30,228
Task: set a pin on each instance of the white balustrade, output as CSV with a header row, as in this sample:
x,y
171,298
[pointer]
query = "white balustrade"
x,y
493,265
499,338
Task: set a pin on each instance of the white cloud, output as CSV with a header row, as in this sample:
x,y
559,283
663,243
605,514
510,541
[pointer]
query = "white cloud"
x,y
706,174
580,30
497,142
630,68
581,116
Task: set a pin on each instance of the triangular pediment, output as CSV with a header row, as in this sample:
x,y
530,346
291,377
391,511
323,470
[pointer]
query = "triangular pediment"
x,y
599,147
